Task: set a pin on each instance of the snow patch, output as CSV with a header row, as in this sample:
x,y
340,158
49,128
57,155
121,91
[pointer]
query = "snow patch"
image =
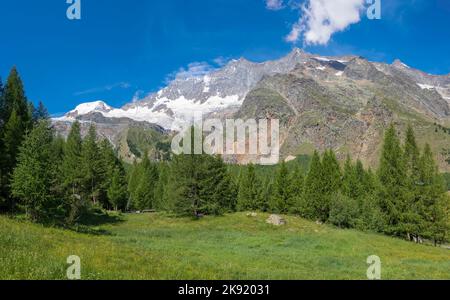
x,y
426,86
340,73
322,59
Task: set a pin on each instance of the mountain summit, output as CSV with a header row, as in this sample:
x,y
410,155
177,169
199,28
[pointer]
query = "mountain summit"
x,y
322,102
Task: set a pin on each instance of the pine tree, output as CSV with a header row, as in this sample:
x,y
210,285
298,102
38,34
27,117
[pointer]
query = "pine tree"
x,y
133,182
117,190
16,121
249,196
281,198
326,181
15,99
145,191
411,221
108,164
184,189
434,203
40,113
312,206
12,139
91,166
33,178
392,176
161,199
296,189
331,172
217,187
72,174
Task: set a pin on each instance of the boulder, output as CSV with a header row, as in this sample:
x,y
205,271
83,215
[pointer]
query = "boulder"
x,y
276,220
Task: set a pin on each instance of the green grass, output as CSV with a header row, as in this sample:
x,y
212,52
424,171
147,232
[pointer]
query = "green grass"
x,y
231,247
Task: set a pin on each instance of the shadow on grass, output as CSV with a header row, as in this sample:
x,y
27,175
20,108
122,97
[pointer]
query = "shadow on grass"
x,y
91,223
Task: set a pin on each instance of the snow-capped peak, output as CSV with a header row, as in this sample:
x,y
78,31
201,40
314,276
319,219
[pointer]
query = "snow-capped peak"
x,y
89,107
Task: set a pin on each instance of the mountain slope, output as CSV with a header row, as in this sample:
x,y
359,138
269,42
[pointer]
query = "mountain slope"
x,y
322,102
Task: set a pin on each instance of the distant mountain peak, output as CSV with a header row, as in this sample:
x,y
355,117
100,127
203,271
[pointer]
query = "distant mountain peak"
x,y
399,64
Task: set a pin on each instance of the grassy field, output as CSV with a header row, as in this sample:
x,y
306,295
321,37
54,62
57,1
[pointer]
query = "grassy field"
x,y
231,247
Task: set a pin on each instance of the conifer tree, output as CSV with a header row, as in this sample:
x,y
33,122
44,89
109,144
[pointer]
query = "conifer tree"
x,y
434,203
15,99
393,179
296,189
33,178
72,174
145,191
117,190
133,182
314,191
108,164
16,121
281,198
93,175
217,188
40,113
161,199
249,195
184,189
411,221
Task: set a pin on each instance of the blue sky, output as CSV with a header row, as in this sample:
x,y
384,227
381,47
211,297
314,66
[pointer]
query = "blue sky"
x,y
122,49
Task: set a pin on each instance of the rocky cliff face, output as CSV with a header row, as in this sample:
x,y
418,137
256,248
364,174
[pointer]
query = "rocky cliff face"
x,y
343,103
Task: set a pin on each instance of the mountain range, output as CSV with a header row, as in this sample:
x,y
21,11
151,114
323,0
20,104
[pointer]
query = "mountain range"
x,y
343,102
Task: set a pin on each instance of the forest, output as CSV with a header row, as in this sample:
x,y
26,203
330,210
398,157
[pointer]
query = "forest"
x,y
57,181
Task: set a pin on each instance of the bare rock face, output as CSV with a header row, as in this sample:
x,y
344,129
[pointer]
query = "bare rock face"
x,y
276,220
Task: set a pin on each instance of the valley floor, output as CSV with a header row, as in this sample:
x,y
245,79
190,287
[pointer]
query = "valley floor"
x,y
151,246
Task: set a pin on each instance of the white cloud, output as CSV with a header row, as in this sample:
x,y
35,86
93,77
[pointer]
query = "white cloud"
x,y
274,4
120,85
195,69
320,19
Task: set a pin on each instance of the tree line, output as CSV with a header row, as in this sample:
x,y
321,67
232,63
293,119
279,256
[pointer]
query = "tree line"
x,y
56,179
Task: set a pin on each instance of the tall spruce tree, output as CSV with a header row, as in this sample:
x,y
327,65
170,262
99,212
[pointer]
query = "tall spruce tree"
x,y
34,177
93,174
133,183
434,203
249,196
296,189
40,113
281,198
217,188
17,122
184,189
72,174
411,221
314,195
392,175
117,189
145,190
162,202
